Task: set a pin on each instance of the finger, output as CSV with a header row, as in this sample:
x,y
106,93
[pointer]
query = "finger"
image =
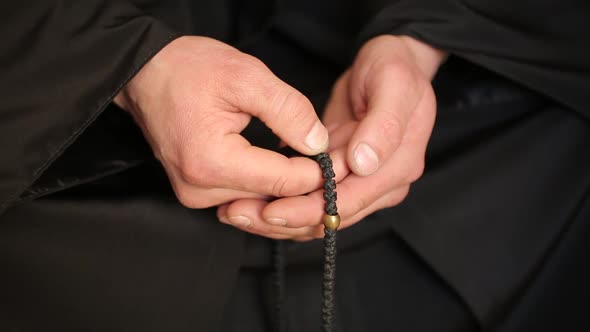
x,y
251,206
387,201
304,239
305,211
354,193
222,213
283,109
391,199
290,234
245,215
391,94
197,198
296,212
200,198
240,166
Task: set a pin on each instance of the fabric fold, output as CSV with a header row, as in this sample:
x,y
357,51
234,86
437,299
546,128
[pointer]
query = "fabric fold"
x,y
543,49
64,66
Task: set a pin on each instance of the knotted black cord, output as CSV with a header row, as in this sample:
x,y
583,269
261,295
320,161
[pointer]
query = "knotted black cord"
x,y
279,282
331,222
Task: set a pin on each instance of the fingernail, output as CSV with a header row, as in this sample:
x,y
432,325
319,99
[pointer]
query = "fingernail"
x,y
366,159
276,221
224,220
240,221
317,139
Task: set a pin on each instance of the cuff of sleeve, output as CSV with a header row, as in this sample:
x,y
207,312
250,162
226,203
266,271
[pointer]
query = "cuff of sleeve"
x,y
72,74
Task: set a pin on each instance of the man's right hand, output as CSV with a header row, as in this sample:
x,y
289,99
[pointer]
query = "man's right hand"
x,y
194,98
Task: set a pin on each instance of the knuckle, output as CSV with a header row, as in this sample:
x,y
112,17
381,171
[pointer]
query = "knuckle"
x,y
360,205
253,61
184,198
397,197
233,60
401,71
411,81
291,106
195,173
245,69
391,127
279,186
191,175
192,201
416,172
238,73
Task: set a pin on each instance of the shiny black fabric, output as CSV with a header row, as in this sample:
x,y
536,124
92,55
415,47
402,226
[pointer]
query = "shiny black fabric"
x,y
87,243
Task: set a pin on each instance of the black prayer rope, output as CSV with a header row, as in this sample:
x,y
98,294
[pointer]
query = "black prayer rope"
x,y
329,280
279,285
331,223
325,162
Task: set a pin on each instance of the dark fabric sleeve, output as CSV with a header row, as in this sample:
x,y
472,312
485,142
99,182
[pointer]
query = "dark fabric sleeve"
x,y
62,63
543,45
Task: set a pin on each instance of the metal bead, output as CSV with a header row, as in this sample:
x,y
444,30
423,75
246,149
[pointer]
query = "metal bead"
x,y
331,222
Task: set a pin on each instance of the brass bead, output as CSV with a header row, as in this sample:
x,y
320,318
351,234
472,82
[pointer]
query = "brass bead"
x,y
331,222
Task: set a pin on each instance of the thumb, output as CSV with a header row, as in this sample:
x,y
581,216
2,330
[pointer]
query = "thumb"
x,y
390,96
286,111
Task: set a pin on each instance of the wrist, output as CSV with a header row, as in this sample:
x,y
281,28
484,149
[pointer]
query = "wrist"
x,y
122,99
428,58
147,81
127,96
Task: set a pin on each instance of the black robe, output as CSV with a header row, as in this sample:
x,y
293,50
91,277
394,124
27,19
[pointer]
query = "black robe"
x,y
502,202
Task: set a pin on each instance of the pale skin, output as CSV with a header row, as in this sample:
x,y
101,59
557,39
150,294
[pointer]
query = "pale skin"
x,y
195,96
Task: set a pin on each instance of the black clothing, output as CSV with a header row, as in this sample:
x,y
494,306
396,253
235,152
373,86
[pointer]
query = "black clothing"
x,y
87,243
410,293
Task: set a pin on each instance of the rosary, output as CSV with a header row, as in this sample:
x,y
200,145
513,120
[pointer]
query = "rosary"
x,y
331,222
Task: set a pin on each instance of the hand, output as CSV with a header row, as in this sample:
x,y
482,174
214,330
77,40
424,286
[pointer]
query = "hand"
x,y
380,117
194,98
